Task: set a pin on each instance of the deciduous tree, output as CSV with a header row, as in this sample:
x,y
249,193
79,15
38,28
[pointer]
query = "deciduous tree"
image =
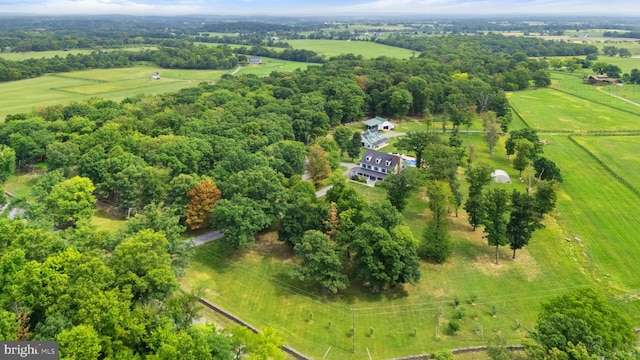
x,y
342,135
417,142
318,164
202,199
70,201
322,261
581,321
240,218
495,222
522,221
355,145
545,196
436,243
7,162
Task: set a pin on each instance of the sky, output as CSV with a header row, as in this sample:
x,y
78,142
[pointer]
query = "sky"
x,y
323,7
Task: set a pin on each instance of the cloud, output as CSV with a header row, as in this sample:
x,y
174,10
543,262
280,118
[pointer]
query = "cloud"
x,y
317,7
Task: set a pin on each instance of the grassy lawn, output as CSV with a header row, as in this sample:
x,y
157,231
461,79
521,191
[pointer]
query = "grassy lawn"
x,y
20,185
104,221
554,110
368,50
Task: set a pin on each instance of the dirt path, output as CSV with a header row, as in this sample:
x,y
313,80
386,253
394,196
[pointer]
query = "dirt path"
x,y
618,97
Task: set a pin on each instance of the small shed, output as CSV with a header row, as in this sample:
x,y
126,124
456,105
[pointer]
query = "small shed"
x,y
500,176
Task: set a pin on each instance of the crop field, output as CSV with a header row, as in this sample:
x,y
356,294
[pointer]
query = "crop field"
x,y
550,109
368,50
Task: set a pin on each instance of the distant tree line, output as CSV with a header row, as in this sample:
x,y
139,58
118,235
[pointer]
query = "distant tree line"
x,y
301,55
628,34
490,43
183,57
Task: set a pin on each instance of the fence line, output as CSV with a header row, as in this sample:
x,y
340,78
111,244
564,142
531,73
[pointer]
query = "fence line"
x,y
595,101
606,166
289,350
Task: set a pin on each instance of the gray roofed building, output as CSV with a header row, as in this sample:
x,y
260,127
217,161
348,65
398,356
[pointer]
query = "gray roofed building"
x,y
376,165
373,140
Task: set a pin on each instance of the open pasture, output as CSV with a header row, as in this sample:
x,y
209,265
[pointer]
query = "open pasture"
x,y
610,95
18,56
270,64
601,212
112,84
367,49
621,153
549,109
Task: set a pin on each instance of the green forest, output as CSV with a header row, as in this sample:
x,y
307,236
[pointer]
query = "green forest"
x,y
245,155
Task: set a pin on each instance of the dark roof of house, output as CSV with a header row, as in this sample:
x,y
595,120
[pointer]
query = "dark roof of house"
x,y
380,159
374,137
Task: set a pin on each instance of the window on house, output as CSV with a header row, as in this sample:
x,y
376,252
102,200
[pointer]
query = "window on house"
x,y
376,168
384,171
368,158
378,160
387,163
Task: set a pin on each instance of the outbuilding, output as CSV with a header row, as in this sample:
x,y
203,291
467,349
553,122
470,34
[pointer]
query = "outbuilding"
x,y
500,176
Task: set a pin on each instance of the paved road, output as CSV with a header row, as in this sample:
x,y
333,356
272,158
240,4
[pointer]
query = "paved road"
x,y
207,237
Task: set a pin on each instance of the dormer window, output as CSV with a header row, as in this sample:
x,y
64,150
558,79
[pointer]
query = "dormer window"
x,y
378,160
387,163
368,158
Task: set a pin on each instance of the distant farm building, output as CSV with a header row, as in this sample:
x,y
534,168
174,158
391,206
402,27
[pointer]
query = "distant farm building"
x,y
600,80
155,76
255,60
500,176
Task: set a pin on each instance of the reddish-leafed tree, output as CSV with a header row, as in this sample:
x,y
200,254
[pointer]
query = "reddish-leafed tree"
x,y
202,198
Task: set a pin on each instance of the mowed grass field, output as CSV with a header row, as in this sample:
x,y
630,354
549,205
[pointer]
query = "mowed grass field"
x,y
368,50
613,96
18,56
114,84
621,153
549,109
